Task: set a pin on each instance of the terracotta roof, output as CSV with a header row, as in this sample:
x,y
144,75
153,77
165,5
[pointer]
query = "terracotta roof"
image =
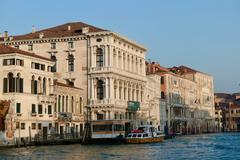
x,y
63,30
64,85
4,49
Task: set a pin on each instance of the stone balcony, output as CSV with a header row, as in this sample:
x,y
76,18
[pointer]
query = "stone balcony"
x,y
46,98
120,71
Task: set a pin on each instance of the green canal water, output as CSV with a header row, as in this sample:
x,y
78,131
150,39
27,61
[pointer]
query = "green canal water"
x,y
225,146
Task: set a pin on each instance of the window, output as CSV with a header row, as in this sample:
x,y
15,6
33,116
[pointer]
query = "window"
x,y
100,89
22,126
49,109
16,46
99,57
34,86
80,105
38,66
162,80
70,63
8,62
40,109
70,45
18,108
19,62
53,45
33,126
53,58
162,95
19,84
30,47
39,126
33,108
17,125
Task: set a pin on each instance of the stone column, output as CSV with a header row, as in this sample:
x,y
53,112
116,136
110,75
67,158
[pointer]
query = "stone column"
x,y
110,56
117,90
106,56
106,88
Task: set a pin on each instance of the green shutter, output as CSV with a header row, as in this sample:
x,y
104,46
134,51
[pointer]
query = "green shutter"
x,y
18,110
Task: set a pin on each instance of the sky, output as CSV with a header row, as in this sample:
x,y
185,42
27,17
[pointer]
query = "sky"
x,y
202,34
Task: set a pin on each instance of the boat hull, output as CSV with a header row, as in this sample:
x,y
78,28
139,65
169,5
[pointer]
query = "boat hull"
x,y
144,140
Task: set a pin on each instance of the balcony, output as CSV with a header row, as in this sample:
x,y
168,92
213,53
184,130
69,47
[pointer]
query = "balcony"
x,y
46,98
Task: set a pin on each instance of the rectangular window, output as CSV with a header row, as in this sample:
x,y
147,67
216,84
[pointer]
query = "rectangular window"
x,y
16,46
40,109
33,108
49,109
39,126
17,125
19,62
30,47
18,108
53,45
33,126
70,45
22,126
8,62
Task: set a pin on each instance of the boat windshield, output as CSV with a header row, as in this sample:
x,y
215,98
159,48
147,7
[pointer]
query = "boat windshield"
x,y
139,135
130,135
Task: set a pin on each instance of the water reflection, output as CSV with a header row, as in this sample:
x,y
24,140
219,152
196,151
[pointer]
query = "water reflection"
x,y
211,146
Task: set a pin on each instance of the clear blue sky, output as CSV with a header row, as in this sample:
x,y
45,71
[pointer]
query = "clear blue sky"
x,y
203,34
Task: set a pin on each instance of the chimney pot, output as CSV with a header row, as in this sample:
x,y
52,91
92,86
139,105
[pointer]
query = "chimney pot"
x,y
41,35
33,29
5,34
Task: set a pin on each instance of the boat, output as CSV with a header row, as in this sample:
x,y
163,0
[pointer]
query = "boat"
x,y
144,134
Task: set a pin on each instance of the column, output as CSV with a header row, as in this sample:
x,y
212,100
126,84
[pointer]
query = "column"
x,y
111,88
106,56
111,56
117,90
127,92
106,88
116,58
121,60
130,89
93,56
92,88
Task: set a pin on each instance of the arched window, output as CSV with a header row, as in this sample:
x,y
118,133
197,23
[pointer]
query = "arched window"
x,y
100,89
53,58
34,85
59,103
80,105
44,86
99,57
11,83
63,103
70,63
66,103
19,83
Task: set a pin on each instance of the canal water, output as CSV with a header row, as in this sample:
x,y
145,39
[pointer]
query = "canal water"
x,y
224,146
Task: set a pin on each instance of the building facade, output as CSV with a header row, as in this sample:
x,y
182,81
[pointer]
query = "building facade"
x,y
188,102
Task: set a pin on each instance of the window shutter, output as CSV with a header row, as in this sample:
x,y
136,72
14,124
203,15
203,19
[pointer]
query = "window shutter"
x,y
21,85
13,84
35,87
5,85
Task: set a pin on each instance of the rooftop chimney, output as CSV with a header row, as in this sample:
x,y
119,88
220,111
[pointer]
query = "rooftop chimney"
x,y
41,35
85,29
5,35
69,28
33,29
